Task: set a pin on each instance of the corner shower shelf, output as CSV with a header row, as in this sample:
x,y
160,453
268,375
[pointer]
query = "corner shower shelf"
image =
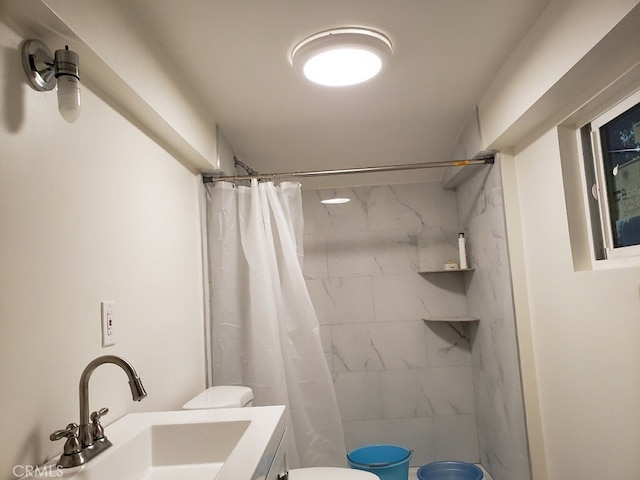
x,y
451,319
465,318
447,270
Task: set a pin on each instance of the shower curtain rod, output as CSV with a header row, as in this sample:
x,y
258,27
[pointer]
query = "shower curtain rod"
x,y
484,160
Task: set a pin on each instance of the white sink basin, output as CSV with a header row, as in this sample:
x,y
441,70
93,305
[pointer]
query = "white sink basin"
x,y
225,444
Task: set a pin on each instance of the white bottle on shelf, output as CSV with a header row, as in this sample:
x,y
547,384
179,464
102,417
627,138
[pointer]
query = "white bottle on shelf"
x,y
462,250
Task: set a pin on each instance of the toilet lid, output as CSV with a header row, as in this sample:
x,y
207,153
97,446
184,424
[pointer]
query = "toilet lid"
x,y
325,473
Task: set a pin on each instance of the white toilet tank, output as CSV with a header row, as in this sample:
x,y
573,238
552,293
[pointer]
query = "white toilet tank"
x,y
222,396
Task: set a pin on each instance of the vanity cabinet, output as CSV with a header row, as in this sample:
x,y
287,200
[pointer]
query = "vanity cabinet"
x,y
278,468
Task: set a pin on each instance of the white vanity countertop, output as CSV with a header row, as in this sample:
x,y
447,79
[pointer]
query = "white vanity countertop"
x,y
190,435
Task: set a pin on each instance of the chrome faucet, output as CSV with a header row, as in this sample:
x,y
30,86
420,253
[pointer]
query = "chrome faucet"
x,y
87,440
137,392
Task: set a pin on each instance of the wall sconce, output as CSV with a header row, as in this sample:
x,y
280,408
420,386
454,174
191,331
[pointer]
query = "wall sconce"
x,y
44,71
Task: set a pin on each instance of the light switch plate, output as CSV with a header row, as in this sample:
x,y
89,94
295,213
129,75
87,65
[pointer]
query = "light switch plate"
x,y
108,324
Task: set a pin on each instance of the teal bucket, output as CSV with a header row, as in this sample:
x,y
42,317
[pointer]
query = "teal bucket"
x,y
389,462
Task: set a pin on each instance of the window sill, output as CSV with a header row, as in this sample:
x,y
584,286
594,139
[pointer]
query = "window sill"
x,y
615,263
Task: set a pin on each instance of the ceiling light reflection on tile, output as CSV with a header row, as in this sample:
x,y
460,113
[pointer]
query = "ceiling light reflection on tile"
x,y
335,201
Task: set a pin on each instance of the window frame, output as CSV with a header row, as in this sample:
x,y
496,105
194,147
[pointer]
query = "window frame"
x,y
604,247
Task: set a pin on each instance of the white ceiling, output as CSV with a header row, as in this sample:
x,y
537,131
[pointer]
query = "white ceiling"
x,y
232,56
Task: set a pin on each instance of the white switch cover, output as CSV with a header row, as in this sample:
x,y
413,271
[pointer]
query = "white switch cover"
x,y
108,325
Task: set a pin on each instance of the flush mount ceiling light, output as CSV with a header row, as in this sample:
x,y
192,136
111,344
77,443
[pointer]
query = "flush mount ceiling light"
x,y
342,56
44,71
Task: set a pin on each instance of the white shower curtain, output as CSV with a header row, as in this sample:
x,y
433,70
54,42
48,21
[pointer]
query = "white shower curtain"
x,y
264,330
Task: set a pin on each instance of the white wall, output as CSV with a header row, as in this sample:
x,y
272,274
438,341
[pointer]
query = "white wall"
x,y
88,212
540,77
578,331
585,331
142,77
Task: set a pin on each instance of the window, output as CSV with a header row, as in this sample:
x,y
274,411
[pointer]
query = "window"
x,y
611,150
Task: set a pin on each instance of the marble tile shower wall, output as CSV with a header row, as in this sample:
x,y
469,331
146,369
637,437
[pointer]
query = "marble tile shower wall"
x,y
496,371
398,379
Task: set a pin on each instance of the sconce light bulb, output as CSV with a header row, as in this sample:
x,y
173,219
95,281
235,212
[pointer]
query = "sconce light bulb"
x,y
69,97
44,70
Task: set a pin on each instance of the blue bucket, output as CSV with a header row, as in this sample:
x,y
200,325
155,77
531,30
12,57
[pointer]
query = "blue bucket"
x,y
450,471
389,462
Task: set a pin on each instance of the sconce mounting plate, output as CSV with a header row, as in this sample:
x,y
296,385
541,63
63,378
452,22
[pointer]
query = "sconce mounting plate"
x,y
38,64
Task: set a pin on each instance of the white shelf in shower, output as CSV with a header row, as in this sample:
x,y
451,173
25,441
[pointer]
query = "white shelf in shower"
x,y
451,319
460,280
446,270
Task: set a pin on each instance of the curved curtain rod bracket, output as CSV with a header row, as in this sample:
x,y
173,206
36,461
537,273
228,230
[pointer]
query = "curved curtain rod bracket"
x,y
244,166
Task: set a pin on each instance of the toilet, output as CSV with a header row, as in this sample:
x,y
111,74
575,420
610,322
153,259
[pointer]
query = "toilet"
x,y
333,473
231,396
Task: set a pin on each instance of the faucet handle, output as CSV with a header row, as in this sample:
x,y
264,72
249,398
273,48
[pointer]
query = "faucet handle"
x,y
71,433
97,432
72,455
95,416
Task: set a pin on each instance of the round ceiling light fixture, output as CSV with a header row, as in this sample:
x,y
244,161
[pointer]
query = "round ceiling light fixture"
x,y
342,56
